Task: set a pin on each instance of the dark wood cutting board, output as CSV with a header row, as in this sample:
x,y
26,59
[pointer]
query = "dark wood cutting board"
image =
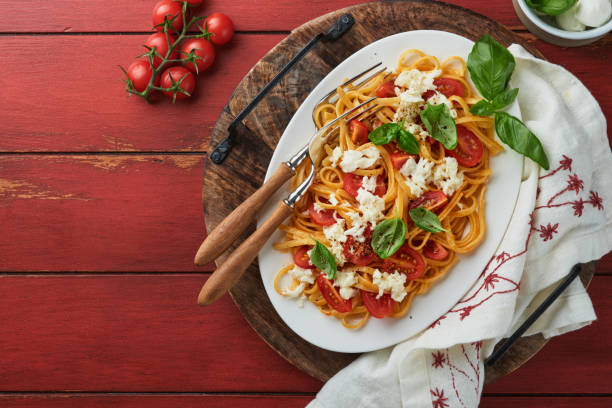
x,y
226,186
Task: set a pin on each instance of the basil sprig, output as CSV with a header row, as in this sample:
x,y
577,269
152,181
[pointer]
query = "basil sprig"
x,y
388,132
551,7
426,220
440,124
491,66
323,259
388,237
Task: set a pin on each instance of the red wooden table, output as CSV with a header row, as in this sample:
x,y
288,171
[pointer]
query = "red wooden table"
x,y
101,214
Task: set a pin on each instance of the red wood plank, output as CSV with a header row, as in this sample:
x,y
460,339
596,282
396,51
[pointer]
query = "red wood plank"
x,y
264,401
141,333
100,213
83,107
131,333
130,16
75,101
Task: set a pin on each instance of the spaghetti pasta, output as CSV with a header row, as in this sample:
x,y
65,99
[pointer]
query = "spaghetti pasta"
x,y
359,184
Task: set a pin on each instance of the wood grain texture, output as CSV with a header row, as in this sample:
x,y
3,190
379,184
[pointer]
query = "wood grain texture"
x,y
144,333
259,401
264,127
100,213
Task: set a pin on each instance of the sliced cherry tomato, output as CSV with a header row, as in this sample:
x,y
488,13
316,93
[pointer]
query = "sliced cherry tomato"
x,y
301,258
399,158
379,308
323,217
182,74
221,28
158,40
140,73
386,90
332,296
194,3
469,148
359,132
434,250
432,200
448,86
171,9
407,261
353,182
204,52
358,253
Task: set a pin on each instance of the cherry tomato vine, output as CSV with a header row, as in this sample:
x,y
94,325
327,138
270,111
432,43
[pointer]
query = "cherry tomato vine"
x,y
173,44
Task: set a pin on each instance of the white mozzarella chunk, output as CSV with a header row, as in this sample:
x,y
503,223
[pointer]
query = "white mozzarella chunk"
x,y
416,130
332,199
416,83
359,159
447,177
335,235
439,99
345,281
593,13
317,207
293,293
569,22
335,156
301,274
390,283
417,175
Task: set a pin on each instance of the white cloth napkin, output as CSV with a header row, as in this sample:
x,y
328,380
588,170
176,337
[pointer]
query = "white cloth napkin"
x,y
562,217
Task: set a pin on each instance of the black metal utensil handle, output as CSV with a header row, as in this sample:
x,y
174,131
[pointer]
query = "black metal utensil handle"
x,y
534,316
341,26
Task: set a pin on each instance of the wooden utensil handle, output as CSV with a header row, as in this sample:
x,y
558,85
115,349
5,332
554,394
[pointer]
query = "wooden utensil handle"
x,y
234,224
226,275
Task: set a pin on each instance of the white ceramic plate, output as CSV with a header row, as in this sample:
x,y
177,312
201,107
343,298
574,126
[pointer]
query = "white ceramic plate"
x,y
327,332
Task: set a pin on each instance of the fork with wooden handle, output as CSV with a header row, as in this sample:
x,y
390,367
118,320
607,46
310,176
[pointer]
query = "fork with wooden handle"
x,y
239,220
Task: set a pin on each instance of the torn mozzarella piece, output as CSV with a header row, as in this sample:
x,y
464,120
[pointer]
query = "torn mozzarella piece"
x,y
335,156
416,83
417,175
359,159
593,13
345,281
568,20
416,130
293,293
332,199
335,235
447,177
302,275
393,283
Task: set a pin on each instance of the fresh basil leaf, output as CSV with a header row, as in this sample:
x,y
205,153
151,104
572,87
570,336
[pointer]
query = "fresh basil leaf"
x,y
385,133
323,259
484,108
440,124
388,237
426,220
490,65
515,134
551,7
407,142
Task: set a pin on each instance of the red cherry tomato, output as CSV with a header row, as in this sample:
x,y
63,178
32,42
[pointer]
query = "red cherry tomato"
x,y
182,74
221,28
323,217
301,258
204,52
193,3
435,251
399,158
358,253
448,86
379,308
407,261
469,148
140,73
332,296
432,200
353,182
158,40
168,8
359,132
386,90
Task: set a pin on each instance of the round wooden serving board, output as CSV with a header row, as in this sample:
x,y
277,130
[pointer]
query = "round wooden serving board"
x,y
226,186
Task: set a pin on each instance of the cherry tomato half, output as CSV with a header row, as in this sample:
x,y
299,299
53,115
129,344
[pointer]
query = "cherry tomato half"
x,y
399,158
170,8
432,200
301,258
204,52
182,74
332,296
140,73
323,217
158,40
407,261
358,253
434,250
379,308
469,148
220,26
353,182
194,3
359,132
386,90
448,86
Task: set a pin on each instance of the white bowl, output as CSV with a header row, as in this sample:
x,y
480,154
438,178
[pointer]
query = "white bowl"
x,y
550,33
